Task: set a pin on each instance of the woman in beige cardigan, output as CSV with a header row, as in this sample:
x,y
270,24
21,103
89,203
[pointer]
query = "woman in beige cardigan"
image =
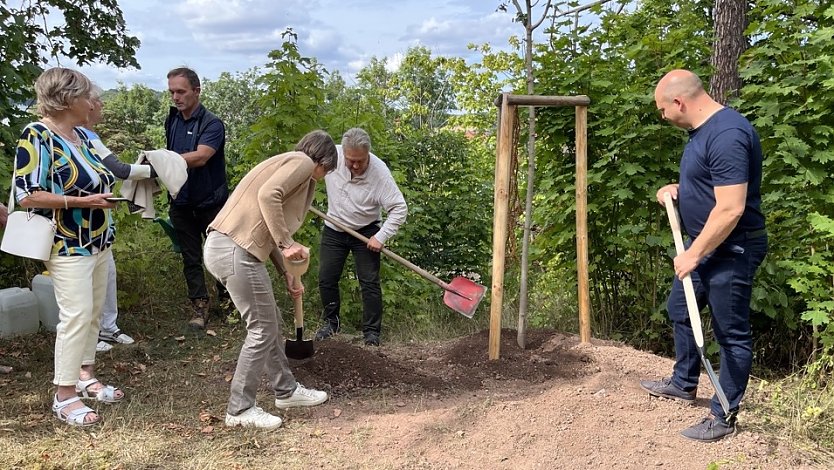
x,y
257,222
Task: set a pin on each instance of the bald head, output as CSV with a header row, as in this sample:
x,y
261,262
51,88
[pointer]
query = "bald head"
x,y
681,99
681,83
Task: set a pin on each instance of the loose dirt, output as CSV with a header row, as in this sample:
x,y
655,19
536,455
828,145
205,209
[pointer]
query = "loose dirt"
x,y
556,404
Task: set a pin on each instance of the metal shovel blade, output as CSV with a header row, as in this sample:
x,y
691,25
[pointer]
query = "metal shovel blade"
x,y
299,348
463,296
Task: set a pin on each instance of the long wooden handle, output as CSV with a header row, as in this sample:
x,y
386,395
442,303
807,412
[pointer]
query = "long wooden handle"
x,y
385,251
297,269
688,287
298,306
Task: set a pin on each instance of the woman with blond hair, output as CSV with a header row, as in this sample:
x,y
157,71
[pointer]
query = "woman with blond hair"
x,y
60,175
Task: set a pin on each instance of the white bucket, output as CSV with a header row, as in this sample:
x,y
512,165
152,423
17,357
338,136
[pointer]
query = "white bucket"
x,y
47,305
18,312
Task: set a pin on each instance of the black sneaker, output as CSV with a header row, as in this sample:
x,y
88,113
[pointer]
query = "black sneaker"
x,y
371,339
710,429
664,388
326,331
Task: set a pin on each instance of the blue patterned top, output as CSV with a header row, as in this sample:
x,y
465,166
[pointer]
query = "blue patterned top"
x,y
77,171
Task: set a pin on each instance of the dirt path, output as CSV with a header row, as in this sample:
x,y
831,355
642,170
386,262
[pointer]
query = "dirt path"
x,y
558,404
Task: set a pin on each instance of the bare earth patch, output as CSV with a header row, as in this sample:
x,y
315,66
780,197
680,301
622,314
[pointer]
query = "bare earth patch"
x,y
556,404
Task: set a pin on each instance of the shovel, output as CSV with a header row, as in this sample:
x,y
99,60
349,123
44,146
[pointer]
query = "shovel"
x,y
298,348
462,295
692,303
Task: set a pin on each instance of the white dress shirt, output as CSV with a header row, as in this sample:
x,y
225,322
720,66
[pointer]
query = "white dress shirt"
x,y
358,201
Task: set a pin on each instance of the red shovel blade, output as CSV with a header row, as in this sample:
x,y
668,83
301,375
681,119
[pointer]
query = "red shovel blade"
x,y
464,295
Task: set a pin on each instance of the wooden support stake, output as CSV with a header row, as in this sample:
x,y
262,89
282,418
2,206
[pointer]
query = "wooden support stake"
x,y
499,228
582,223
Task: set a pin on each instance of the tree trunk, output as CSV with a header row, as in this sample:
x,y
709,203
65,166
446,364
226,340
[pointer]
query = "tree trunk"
x,y
730,18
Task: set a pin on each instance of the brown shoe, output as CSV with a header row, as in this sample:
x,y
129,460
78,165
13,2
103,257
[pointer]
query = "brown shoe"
x,y
200,316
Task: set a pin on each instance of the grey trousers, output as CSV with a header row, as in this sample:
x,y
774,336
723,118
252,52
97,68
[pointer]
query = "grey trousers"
x,y
250,288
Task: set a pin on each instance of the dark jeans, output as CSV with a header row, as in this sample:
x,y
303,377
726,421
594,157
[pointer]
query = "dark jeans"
x,y
335,247
724,281
190,224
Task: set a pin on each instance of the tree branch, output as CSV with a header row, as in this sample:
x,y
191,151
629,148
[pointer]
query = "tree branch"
x,y
580,9
544,15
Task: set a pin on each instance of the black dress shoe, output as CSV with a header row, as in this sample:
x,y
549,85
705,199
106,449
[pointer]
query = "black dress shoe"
x,y
371,339
326,331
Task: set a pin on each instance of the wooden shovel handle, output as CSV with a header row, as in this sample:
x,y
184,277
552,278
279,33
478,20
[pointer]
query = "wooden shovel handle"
x,y
386,251
297,269
298,306
688,287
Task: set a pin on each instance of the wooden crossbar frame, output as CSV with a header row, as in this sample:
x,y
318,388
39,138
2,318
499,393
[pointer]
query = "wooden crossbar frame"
x,y
507,108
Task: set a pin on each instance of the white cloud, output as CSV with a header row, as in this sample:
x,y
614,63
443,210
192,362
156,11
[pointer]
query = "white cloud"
x,y
393,62
451,36
215,36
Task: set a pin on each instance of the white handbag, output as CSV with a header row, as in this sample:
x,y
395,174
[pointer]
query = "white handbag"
x,y
28,234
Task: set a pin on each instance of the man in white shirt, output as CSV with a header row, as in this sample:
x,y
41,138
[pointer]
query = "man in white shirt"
x,y
357,192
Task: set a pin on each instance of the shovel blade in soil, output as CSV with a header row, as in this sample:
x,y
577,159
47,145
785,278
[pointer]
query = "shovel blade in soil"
x,y
463,296
299,348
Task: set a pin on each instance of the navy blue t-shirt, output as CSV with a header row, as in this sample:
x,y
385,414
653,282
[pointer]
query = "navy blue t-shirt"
x,y
723,151
207,182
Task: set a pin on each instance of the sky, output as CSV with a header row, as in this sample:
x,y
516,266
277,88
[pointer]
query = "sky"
x,y
214,36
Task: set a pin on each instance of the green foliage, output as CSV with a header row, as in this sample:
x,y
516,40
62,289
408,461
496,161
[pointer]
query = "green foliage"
x,y
128,120
293,91
477,85
361,106
234,98
789,94
446,186
90,32
631,153
423,88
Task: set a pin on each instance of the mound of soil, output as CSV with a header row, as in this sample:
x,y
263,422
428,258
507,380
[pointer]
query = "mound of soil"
x,y
444,368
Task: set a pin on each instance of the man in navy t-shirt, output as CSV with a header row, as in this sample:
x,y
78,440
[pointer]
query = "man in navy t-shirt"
x,y
720,206
200,137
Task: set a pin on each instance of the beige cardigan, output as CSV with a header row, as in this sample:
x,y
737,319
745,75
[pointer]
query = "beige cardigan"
x,y
269,205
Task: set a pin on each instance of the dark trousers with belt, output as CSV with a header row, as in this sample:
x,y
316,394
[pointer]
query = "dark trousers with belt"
x,y
724,281
335,247
190,224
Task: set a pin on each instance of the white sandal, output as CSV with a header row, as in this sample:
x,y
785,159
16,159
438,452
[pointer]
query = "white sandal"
x,y
74,417
107,393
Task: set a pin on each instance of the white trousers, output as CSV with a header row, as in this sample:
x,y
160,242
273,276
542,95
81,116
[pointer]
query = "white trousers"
x,y
111,308
80,283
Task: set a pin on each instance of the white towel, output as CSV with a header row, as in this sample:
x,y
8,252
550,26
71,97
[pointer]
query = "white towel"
x,y
170,167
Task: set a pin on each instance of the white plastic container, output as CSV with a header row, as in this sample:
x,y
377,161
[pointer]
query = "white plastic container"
x,y
18,312
47,305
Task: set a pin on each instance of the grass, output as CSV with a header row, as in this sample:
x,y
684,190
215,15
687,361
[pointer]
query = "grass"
x,y
795,411
178,391
177,382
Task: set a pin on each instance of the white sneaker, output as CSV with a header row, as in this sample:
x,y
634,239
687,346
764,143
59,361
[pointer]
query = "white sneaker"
x,y
103,346
254,417
114,337
302,397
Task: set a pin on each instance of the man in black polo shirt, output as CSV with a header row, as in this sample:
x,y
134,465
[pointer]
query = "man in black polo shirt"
x,y
200,137
720,206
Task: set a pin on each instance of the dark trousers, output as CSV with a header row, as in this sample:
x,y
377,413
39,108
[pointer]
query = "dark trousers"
x,y
724,281
190,224
335,247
